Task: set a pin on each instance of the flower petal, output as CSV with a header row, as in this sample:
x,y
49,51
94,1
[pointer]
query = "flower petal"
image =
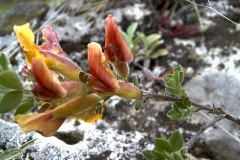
x,y
128,91
62,65
26,39
41,93
89,115
115,46
100,69
45,78
74,88
51,41
40,122
76,105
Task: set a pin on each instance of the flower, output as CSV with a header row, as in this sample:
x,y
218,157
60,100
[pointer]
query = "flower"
x,y
76,105
26,40
40,122
46,79
54,57
116,49
102,79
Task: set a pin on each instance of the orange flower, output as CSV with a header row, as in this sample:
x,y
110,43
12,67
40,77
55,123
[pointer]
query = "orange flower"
x,y
48,122
102,79
47,80
76,105
40,122
54,57
116,49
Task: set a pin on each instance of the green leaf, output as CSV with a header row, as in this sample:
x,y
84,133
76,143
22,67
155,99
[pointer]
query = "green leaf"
x,y
163,137
136,40
171,83
178,68
154,45
10,101
168,155
148,154
157,154
135,81
171,113
15,152
4,63
162,145
176,78
99,109
175,107
177,156
11,153
138,104
171,90
83,77
187,102
9,79
24,108
180,105
28,143
159,53
153,38
176,116
144,40
131,30
176,141
181,76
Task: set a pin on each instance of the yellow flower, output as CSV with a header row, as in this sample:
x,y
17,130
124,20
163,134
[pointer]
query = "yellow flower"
x,y
26,40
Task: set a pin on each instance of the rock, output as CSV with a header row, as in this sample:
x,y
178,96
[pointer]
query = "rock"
x,y
21,14
222,90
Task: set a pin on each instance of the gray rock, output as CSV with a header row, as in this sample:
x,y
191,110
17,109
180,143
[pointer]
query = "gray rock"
x,y
222,90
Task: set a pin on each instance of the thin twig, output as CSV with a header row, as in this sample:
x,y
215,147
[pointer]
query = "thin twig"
x,y
213,110
210,7
190,143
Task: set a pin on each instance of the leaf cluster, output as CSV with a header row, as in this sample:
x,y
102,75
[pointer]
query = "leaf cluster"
x,y
180,110
167,149
142,45
11,89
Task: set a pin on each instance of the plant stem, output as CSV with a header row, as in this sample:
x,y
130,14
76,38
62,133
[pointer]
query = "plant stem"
x,y
190,143
213,110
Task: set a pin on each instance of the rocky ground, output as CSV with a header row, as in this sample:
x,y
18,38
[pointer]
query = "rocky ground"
x,y
212,59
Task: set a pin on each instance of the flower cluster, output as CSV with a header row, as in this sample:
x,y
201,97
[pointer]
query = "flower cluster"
x,y
71,96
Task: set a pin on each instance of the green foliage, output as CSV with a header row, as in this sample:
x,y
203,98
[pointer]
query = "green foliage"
x,y
170,149
83,77
11,89
142,45
15,152
180,110
24,107
139,102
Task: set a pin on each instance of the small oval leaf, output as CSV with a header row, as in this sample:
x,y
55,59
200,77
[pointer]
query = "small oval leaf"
x,y
162,145
9,79
10,101
176,141
148,154
4,63
24,108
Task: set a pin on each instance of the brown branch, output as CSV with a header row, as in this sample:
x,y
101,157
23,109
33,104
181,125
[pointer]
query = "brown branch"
x,y
213,110
190,143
